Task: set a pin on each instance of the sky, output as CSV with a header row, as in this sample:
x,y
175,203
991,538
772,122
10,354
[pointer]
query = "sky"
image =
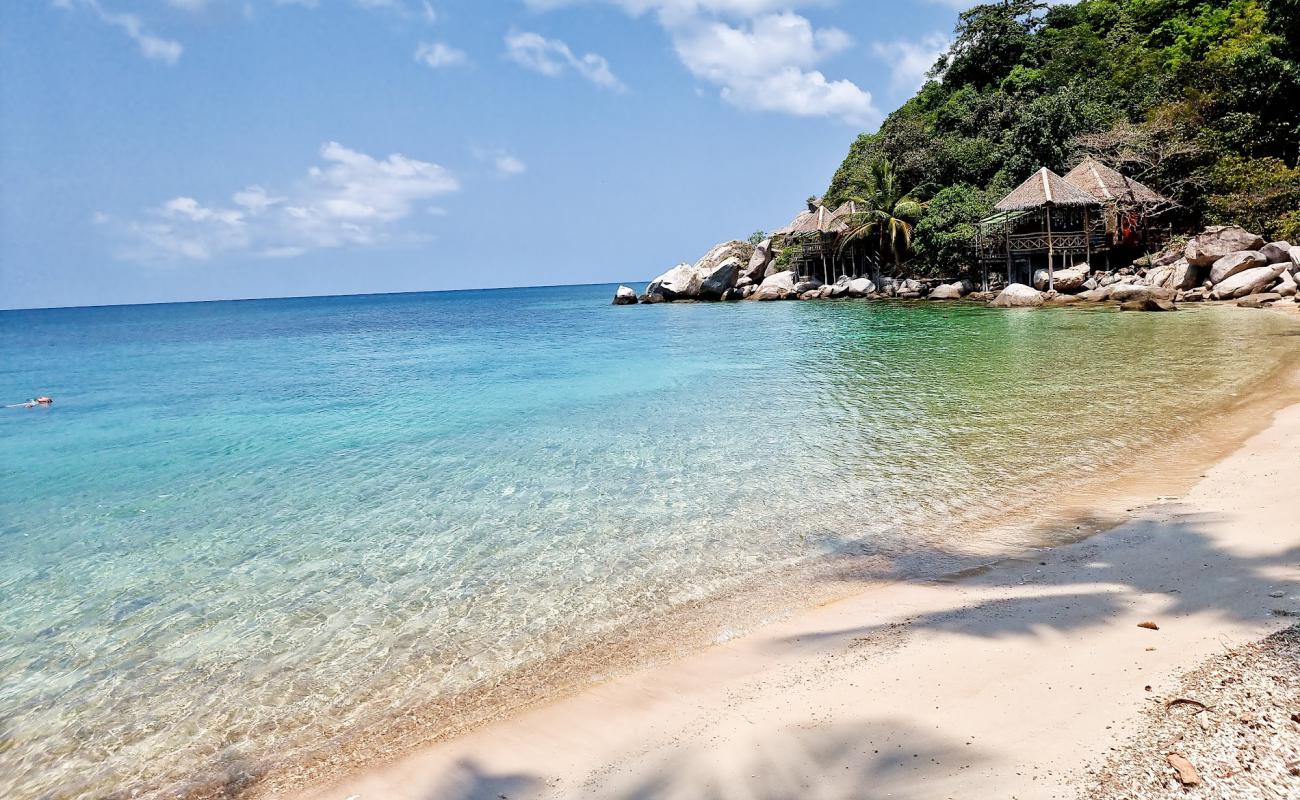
x,y
175,150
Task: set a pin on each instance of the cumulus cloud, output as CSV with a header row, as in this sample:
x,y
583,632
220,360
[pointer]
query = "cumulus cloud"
x,y
766,64
910,61
437,55
351,199
758,53
553,58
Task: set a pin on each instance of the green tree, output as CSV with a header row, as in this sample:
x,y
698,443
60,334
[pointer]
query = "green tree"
x,y
885,218
945,235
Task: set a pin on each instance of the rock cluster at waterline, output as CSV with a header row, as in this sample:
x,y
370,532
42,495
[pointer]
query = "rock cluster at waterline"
x,y
1222,263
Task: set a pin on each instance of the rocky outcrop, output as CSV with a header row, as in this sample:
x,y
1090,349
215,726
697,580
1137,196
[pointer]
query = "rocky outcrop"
x,y
1294,252
1218,241
724,251
1018,295
1252,281
776,287
1233,263
624,296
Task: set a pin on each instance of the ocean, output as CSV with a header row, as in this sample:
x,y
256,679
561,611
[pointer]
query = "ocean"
x,y
246,532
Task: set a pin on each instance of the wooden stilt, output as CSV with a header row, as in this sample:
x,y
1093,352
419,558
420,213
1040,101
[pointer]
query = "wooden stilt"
x,y
1051,252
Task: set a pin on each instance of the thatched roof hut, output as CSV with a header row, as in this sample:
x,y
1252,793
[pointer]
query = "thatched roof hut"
x,y
817,219
1107,185
1046,188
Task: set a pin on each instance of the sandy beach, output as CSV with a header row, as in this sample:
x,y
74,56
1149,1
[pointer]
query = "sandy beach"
x,y
1009,681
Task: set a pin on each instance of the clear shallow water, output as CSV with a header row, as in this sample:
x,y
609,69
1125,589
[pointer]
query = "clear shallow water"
x,y
246,530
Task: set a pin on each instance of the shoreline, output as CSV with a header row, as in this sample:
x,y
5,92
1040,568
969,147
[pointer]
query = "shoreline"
x,y
688,634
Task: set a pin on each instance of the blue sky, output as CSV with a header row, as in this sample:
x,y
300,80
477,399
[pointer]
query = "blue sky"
x,y
209,149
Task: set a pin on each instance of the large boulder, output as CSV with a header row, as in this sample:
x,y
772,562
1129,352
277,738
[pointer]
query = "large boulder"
x,y
947,291
1233,263
1294,252
1287,287
624,296
1062,280
1252,281
1160,276
1185,276
681,282
1148,304
1276,252
722,252
1124,292
861,287
756,269
776,287
1261,300
1018,295
1218,241
911,289
715,281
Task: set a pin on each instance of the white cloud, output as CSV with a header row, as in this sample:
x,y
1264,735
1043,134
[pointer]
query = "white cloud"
x,y
437,55
766,64
759,53
153,47
507,164
352,199
553,58
909,61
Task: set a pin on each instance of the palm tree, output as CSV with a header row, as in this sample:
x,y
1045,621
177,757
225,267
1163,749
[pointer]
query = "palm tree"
x,y
879,217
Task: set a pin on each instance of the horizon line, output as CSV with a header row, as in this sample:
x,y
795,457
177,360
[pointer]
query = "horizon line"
x,y
313,296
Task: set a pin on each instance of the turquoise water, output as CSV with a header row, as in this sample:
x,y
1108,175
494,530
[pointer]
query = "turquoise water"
x,y
247,530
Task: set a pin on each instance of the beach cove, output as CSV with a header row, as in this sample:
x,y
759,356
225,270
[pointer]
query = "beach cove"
x,y
434,568
1018,679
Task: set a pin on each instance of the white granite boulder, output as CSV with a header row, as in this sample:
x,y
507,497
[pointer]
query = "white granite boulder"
x,y
1018,295
715,281
756,269
861,287
1233,263
1252,281
1218,241
1287,286
682,281
1276,252
624,296
775,287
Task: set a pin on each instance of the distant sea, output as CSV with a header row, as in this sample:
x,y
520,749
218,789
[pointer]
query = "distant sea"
x,y
246,530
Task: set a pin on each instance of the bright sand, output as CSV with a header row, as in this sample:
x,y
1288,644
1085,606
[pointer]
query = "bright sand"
x,y
1004,682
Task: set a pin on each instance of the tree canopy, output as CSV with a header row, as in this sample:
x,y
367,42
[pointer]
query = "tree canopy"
x,y
1197,99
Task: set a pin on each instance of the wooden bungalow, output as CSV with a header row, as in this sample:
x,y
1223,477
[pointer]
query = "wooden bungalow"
x,y
1128,206
1049,219
814,233
817,233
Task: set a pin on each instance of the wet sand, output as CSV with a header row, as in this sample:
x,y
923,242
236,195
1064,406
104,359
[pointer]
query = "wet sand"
x,y
1002,681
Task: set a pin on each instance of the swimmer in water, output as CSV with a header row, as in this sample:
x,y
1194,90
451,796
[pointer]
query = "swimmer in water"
x,y
34,402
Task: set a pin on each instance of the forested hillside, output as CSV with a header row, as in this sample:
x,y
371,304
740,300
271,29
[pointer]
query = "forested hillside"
x,y
1200,100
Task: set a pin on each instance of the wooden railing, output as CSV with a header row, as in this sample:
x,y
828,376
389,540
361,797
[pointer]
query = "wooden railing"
x,y
1062,242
